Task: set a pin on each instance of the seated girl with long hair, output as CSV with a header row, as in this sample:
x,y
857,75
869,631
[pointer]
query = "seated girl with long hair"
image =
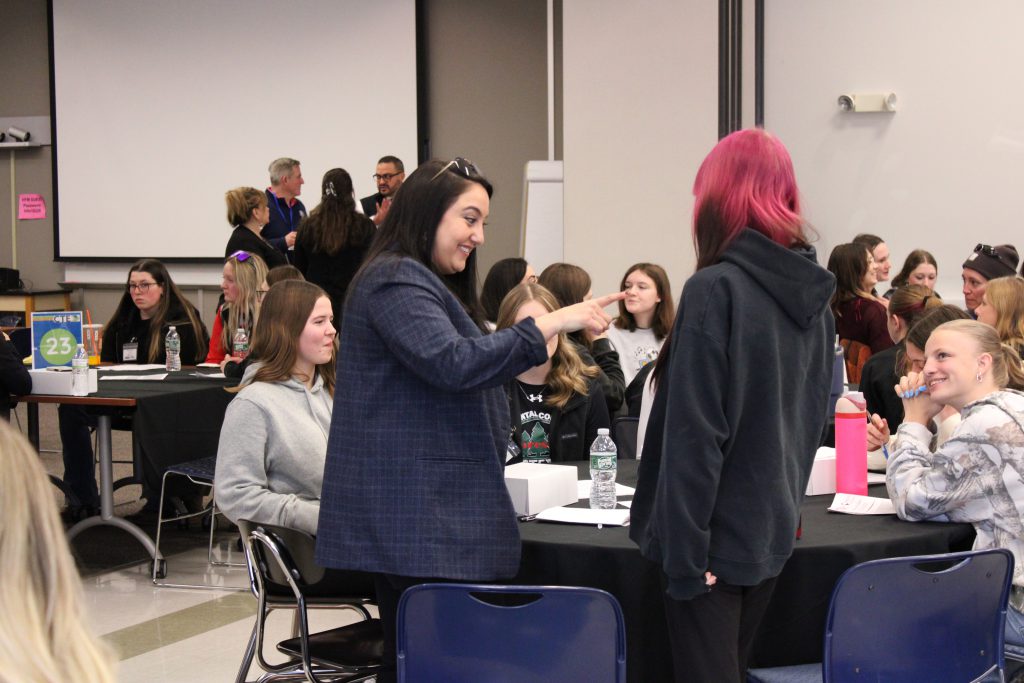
x,y
556,407
907,305
243,283
501,278
1002,307
974,476
645,317
135,333
570,285
273,442
860,317
919,268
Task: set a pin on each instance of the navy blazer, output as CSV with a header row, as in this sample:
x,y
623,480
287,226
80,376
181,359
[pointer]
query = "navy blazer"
x,y
414,481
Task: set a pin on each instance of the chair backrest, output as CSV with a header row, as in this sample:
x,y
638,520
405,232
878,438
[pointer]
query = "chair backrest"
x,y
929,618
293,546
624,430
460,633
856,354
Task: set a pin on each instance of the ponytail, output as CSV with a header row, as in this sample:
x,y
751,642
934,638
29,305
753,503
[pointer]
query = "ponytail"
x,y
1014,367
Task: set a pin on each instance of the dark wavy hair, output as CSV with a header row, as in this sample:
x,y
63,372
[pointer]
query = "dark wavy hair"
x,y
411,228
501,279
664,312
849,263
914,259
334,224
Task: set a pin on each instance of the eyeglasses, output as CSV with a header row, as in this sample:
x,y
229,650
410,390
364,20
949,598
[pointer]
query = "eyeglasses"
x,y
140,287
240,256
462,166
386,176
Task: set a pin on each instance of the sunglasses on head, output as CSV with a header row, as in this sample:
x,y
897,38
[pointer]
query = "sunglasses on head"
x,y
463,167
989,250
240,256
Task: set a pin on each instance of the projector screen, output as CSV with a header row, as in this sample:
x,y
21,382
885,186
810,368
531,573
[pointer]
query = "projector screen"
x,y
160,108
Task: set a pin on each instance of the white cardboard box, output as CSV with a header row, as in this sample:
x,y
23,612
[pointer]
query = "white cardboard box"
x,y
823,473
538,487
59,381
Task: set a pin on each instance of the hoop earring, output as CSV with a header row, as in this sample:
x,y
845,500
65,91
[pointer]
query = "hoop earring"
x,y
978,377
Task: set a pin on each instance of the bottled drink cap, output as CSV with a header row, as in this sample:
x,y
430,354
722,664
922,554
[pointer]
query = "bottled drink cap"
x,y
603,431
171,328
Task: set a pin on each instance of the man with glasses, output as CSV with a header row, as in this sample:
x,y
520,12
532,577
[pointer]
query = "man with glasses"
x,y
286,211
389,176
986,263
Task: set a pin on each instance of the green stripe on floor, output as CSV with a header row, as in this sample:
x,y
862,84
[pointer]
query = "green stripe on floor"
x,y
177,626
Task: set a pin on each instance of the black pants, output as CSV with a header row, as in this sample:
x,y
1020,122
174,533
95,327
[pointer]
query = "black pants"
x,y
712,634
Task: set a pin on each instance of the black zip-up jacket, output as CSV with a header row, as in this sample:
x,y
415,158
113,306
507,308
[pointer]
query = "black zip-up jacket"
x,y
573,428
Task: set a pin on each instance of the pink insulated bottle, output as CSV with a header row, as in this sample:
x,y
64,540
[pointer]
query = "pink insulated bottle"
x,y
852,444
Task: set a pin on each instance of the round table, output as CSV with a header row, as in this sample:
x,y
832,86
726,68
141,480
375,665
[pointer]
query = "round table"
x,y
791,633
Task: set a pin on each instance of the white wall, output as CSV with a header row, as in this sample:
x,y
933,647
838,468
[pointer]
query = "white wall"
x,y
640,114
945,171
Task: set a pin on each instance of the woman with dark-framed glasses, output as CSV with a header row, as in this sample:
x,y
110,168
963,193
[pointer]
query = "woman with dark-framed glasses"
x,y
135,333
414,487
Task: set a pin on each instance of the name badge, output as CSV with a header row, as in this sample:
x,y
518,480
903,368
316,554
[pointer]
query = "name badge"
x,y
130,352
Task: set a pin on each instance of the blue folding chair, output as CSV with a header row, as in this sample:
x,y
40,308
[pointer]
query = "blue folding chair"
x,y
934,618
462,633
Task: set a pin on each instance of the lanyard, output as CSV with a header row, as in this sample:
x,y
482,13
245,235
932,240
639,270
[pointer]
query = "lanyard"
x,y
287,219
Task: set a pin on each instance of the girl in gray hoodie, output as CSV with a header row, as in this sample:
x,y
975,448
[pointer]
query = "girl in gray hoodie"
x,y
273,442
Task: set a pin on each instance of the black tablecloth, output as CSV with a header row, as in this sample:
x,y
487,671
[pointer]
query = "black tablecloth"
x,y
794,624
175,420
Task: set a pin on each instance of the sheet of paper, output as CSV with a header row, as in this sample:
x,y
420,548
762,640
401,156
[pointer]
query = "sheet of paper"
x,y
850,504
209,375
132,367
135,377
615,517
876,477
583,490
208,365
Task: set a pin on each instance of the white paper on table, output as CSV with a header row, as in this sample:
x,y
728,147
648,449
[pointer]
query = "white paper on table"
x,y
852,504
129,367
583,490
876,477
208,365
614,517
135,377
209,375
626,503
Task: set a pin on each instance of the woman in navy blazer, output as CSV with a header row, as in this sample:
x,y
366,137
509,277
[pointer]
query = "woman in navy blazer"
x,y
413,486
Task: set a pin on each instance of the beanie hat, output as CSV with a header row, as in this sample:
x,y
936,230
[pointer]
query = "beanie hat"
x,y
993,262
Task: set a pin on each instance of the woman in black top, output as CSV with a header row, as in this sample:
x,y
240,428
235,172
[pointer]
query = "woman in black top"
x,y
151,303
249,213
149,306
332,241
556,407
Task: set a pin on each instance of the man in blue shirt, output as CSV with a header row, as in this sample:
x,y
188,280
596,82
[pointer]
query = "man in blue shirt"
x,y
286,211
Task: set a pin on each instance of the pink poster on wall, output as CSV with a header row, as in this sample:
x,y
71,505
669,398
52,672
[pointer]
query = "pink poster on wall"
x,y
31,207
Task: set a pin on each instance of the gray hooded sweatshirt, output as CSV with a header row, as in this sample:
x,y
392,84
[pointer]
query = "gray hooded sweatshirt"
x,y
270,461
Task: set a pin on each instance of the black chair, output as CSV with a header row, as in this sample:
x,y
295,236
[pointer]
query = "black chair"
x,y
624,432
199,472
936,618
285,576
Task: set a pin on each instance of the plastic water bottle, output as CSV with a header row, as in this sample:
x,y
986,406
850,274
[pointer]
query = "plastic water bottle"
x,y
172,345
80,372
240,344
603,466
852,444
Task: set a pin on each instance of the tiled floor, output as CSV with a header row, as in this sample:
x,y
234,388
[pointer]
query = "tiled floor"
x,y
170,634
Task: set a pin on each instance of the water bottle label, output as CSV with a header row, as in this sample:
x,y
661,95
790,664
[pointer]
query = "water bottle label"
x,y
602,461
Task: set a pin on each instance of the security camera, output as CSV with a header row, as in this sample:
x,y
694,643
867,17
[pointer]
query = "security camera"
x,y
845,102
18,134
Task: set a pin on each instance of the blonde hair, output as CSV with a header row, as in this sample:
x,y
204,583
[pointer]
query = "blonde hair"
x,y
1006,296
242,201
568,373
249,275
1006,364
43,632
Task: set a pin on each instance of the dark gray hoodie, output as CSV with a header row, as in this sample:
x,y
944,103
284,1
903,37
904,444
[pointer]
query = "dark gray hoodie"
x,y
737,418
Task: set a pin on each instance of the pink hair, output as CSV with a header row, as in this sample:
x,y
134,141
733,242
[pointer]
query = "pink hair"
x,y
746,181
